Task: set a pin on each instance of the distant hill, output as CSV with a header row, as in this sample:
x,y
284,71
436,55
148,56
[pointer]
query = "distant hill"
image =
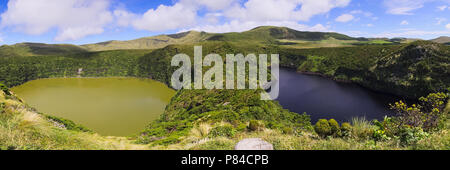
x,y
154,42
442,40
267,33
264,34
31,49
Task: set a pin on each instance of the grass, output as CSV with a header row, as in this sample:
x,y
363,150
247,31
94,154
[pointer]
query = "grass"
x,y
361,128
22,128
307,141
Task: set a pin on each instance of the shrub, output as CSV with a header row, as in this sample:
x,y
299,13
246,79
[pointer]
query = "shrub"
x,y
346,129
380,135
287,130
4,89
335,129
411,135
225,131
241,127
68,124
429,115
322,128
255,125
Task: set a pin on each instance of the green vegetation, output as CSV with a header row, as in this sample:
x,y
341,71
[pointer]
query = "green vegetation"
x,y
18,70
218,119
191,107
21,127
34,49
322,128
410,70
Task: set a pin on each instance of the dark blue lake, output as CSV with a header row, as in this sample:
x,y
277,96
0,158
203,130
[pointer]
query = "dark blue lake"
x,y
324,98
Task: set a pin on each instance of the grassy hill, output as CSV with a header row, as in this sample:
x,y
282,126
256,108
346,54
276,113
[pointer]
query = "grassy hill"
x,y
261,35
442,40
35,49
154,42
264,35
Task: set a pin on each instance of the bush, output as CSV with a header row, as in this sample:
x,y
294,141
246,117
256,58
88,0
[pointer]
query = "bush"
x,y
322,128
288,130
429,115
68,124
225,131
4,89
346,130
241,127
255,125
411,135
335,129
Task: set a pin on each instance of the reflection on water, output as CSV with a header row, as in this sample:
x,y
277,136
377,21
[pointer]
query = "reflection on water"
x,y
324,98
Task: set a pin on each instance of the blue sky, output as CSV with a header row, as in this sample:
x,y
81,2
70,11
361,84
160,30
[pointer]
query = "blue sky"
x,y
87,21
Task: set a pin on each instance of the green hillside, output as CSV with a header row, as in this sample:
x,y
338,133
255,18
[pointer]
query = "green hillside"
x,y
33,49
259,35
409,70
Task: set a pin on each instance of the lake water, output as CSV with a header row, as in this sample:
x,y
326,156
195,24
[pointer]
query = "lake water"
x,y
124,106
109,106
323,98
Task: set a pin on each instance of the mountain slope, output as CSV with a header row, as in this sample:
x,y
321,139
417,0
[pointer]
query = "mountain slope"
x,y
264,35
154,42
33,49
442,40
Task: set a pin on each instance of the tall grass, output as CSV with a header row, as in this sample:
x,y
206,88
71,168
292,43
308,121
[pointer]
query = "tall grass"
x,y
362,128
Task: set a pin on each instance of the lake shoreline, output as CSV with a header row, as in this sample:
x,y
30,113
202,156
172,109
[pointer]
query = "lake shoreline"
x,y
111,106
349,82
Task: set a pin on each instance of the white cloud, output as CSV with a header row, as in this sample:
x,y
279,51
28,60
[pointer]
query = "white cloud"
x,y
180,15
447,26
442,8
404,22
282,10
403,7
406,7
73,19
166,18
236,16
345,18
123,17
369,25
214,5
366,14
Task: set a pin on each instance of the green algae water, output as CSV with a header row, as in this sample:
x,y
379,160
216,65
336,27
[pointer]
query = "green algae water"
x,y
109,106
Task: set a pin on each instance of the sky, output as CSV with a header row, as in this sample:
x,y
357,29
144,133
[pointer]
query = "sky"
x,y
92,21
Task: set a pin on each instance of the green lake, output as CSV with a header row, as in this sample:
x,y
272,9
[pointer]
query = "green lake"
x,y
109,106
